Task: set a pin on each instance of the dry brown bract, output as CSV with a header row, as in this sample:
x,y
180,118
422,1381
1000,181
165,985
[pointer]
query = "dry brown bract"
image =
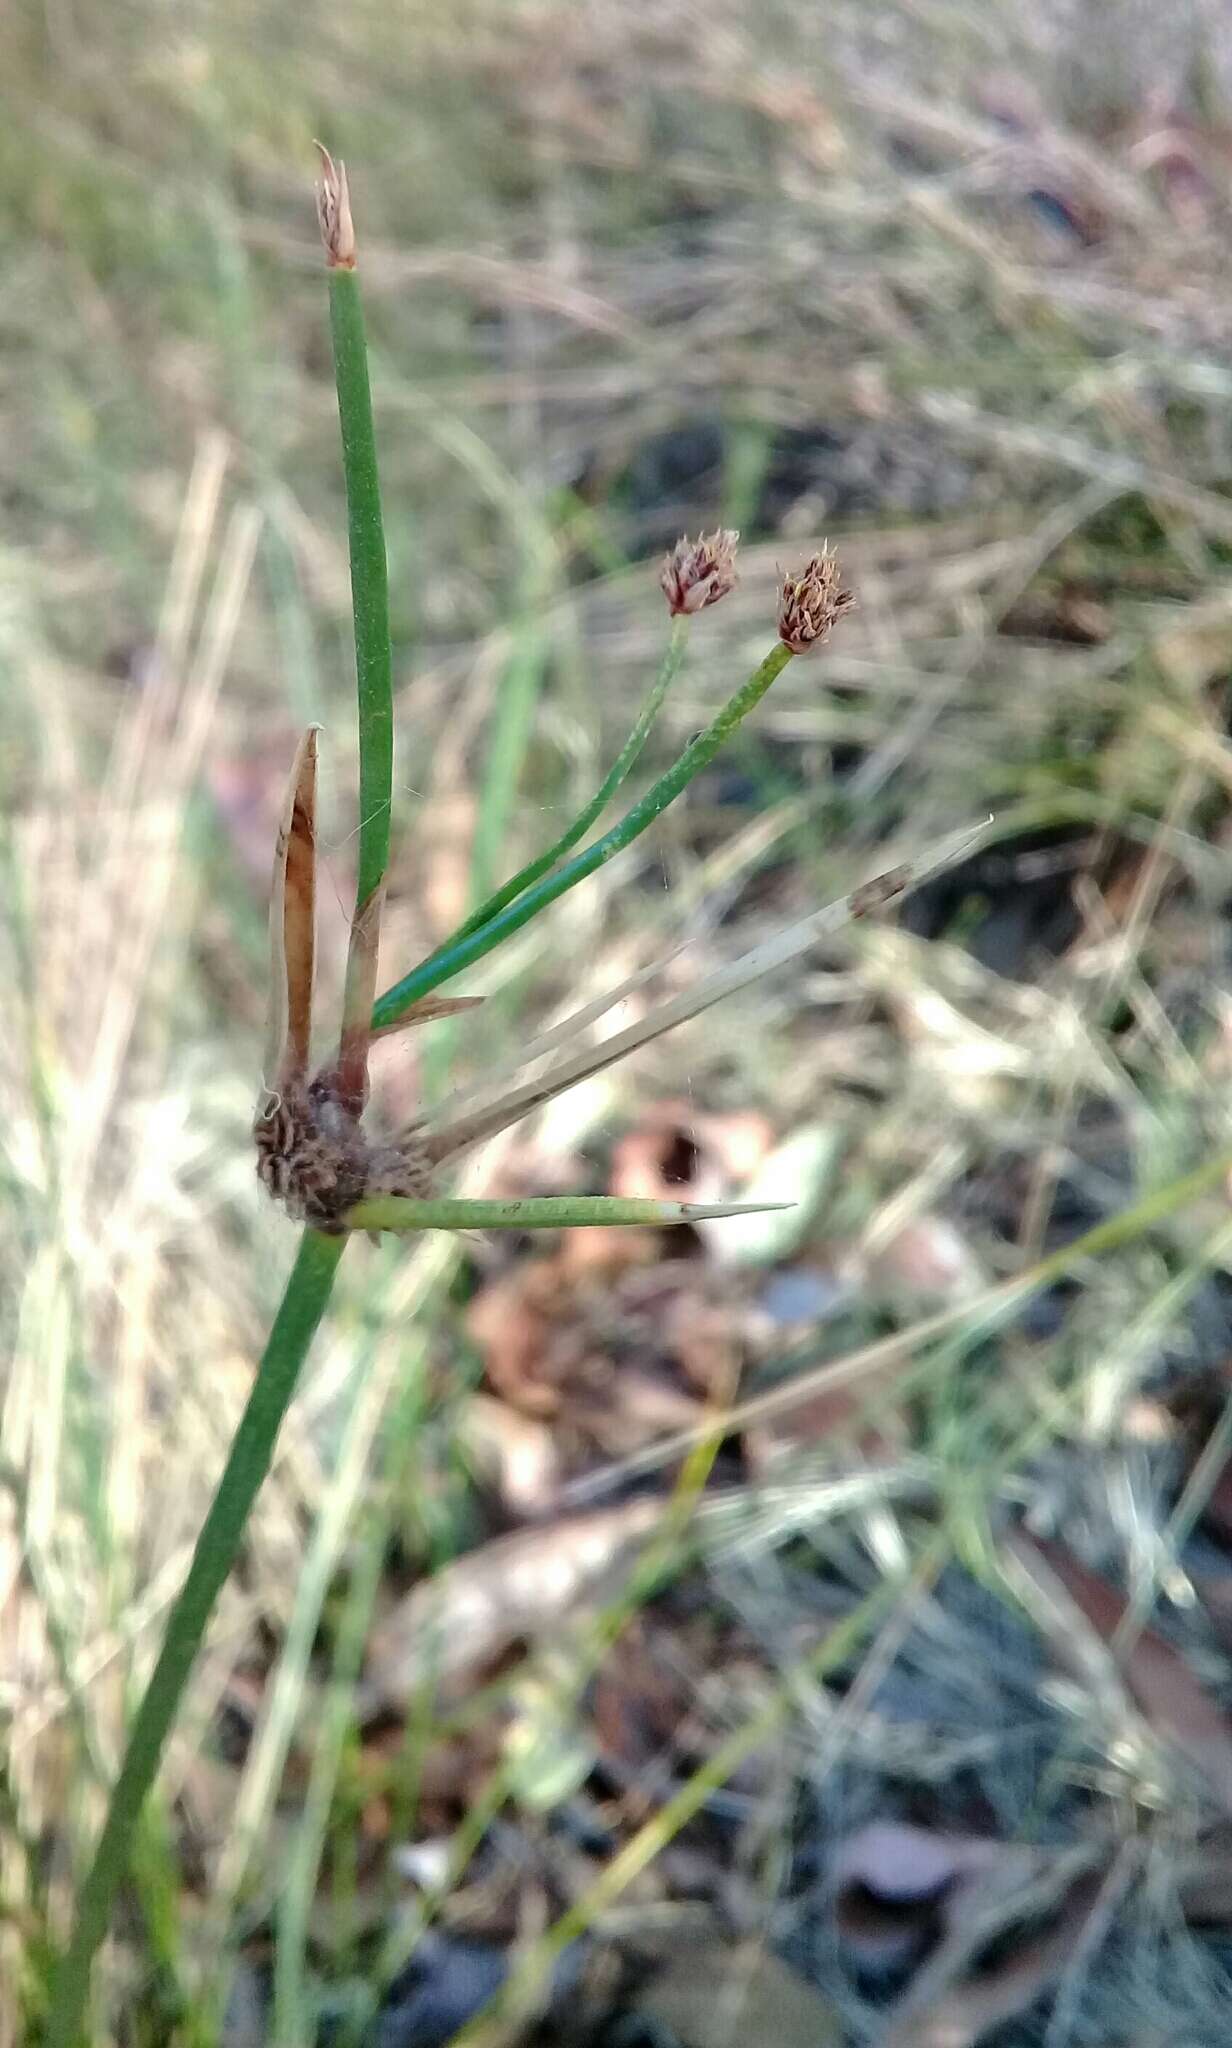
x,y
699,572
334,212
313,1154
810,602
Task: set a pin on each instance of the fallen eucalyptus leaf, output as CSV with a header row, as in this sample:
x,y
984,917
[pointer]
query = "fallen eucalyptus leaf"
x,y
515,1586
783,1194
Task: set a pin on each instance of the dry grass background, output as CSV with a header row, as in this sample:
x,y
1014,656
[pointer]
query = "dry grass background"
x,y
948,283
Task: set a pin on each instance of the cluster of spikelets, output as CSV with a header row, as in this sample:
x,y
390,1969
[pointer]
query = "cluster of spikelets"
x,y
313,1154
699,572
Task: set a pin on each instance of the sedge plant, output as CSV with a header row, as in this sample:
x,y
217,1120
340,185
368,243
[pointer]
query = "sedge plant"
x,y
314,1154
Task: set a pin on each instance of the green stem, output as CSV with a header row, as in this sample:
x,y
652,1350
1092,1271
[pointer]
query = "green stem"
x,y
303,1304
619,771
466,946
369,581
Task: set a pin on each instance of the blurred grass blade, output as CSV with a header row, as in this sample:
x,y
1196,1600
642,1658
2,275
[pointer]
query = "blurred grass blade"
x,y
293,923
539,1212
618,773
517,692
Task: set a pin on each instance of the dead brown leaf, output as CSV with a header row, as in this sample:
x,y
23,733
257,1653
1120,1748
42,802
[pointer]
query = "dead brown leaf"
x,y
661,1159
628,1409
1204,1879
704,1338
905,1892
674,1149
606,1251
1161,1683
927,1261
513,1322
515,1454
899,1888
1215,1593
966,2013
600,1343
516,1586
642,1694
449,1774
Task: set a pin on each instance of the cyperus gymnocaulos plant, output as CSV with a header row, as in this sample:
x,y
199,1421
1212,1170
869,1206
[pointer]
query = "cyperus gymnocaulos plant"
x,y
314,1153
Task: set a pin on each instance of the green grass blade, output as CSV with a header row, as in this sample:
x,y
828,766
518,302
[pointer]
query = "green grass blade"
x,y
464,949
517,695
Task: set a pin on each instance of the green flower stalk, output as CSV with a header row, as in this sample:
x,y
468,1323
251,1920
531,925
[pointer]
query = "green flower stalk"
x,y
695,574
464,949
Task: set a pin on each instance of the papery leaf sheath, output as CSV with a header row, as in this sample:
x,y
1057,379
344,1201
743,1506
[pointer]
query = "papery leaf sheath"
x,y
293,923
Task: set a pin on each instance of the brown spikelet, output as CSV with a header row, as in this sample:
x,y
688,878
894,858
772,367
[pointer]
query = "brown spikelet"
x,y
334,212
699,572
810,602
314,1156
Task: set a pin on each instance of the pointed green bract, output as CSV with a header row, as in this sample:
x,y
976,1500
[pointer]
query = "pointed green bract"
x,y
544,1212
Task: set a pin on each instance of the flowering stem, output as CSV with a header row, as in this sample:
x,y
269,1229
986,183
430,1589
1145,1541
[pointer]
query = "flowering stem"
x,y
624,762
248,1461
466,946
